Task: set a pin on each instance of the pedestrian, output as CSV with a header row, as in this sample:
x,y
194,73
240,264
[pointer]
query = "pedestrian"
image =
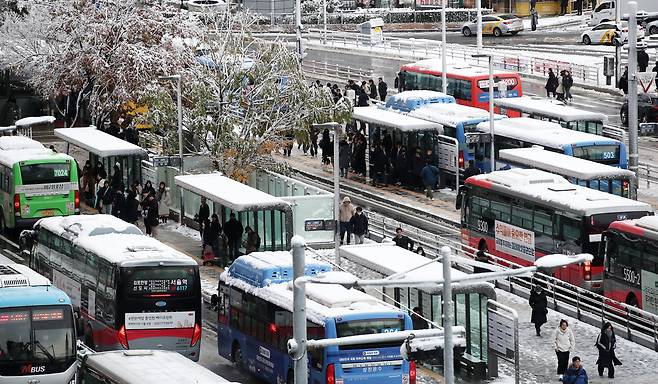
x,y
642,57
382,89
551,83
148,189
327,147
253,241
400,81
471,170
575,374
563,6
346,211
401,240
365,87
430,176
362,98
401,166
209,238
655,69
378,165
623,81
119,203
117,176
417,164
343,157
202,215
163,202
567,83
606,343
373,90
559,90
335,92
416,319
538,303
151,219
481,257
233,230
106,198
313,137
359,224
579,7
131,213
564,344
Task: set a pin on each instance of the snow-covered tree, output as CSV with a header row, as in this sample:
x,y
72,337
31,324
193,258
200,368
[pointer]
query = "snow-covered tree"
x,y
94,54
249,99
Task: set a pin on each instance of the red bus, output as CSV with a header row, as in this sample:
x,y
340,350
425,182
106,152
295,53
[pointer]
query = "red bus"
x,y
468,84
631,262
520,215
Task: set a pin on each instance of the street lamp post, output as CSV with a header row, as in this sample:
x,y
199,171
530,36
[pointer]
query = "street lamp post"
x,y
632,87
478,5
179,107
491,107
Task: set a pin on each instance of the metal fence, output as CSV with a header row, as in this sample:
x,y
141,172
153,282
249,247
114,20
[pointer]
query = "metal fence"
x,y
336,72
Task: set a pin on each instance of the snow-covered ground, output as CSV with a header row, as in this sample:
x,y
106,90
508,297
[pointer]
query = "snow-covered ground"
x,y
553,21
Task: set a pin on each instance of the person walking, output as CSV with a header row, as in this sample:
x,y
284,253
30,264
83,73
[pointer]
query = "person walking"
x,y
378,158
567,83
346,211
253,241
606,342
564,344
119,203
559,90
430,176
359,224
401,240
344,154
327,147
623,81
471,170
373,90
151,219
575,374
233,230
563,6
313,138
202,215
382,89
551,83
163,202
539,304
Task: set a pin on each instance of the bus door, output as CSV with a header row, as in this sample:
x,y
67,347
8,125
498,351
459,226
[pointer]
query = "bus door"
x,y
476,149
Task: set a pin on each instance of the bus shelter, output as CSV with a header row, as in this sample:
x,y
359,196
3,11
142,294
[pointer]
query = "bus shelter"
x,y
470,302
107,150
269,216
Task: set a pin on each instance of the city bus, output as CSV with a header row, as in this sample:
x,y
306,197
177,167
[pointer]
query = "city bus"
x,y
524,132
468,84
554,111
35,182
144,367
130,290
620,182
631,262
520,215
255,324
37,329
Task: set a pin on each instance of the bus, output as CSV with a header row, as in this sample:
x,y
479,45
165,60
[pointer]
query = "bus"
x,y
520,215
35,182
524,132
620,182
129,290
37,329
631,262
255,324
554,111
144,367
468,84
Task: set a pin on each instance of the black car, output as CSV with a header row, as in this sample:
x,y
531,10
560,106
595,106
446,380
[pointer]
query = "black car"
x,y
647,109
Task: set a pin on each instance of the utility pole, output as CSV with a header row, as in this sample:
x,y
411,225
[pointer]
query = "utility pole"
x,y
324,19
478,5
632,86
448,352
299,310
617,47
337,195
444,75
298,27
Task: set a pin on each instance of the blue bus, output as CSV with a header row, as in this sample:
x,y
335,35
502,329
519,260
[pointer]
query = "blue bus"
x,y
524,132
255,324
37,332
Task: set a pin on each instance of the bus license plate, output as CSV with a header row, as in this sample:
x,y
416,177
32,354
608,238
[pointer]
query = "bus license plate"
x,y
47,212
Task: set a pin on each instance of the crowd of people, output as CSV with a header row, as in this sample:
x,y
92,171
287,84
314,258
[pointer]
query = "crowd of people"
x,y
359,95
559,87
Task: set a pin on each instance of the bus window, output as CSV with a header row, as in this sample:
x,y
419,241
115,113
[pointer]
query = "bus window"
x,y
46,173
522,216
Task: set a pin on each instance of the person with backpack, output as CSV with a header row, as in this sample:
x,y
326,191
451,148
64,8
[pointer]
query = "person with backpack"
x,y
575,374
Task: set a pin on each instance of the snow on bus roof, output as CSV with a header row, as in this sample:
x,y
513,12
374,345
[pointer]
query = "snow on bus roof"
x,y
19,142
34,120
392,119
460,69
450,114
547,188
648,222
11,157
540,132
151,367
389,259
98,142
422,94
538,157
133,250
230,193
550,108
87,225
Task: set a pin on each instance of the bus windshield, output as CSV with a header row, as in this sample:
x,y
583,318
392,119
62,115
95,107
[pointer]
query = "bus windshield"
x,y
606,154
368,327
39,338
46,173
599,223
159,281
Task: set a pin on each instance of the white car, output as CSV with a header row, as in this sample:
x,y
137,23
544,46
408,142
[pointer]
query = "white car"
x,y
652,28
606,32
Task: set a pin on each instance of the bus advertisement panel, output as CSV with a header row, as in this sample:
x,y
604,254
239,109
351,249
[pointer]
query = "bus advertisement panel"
x,y
255,324
37,332
520,215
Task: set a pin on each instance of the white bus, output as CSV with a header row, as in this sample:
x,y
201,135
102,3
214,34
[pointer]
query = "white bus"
x,y
144,367
620,182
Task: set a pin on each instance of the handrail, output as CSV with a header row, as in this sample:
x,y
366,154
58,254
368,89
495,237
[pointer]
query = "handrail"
x,y
336,71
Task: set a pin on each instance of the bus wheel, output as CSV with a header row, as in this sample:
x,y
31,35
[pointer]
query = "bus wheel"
x,y
632,301
89,337
236,355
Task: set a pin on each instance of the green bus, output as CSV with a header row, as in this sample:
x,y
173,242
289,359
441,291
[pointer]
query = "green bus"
x,y
35,182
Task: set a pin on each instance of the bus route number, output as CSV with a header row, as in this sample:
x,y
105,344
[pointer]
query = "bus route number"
x,y
61,172
608,155
631,276
483,226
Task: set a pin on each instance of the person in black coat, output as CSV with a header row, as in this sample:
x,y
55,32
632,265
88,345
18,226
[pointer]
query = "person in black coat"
x,y
642,60
382,89
417,321
151,219
344,155
623,81
538,303
131,212
362,98
233,230
203,215
402,240
378,158
359,223
606,343
119,204
471,170
551,83
326,145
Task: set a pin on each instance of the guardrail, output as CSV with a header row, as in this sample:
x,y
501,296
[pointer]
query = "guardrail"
x,y
648,172
418,49
335,71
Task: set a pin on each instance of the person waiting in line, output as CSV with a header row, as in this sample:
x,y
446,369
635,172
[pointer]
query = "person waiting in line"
x,y
202,215
253,241
233,230
117,176
382,89
151,218
164,201
119,203
417,320
131,212
359,223
401,240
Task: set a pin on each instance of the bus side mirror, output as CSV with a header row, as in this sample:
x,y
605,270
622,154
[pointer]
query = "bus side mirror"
x,y
460,197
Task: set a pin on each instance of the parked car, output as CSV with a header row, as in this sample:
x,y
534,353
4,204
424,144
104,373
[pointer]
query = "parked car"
x,y
496,25
652,28
647,109
605,33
